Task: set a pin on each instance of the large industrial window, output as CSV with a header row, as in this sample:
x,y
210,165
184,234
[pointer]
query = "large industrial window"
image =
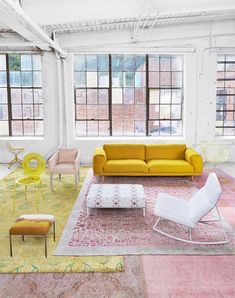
x,y
21,107
225,103
128,95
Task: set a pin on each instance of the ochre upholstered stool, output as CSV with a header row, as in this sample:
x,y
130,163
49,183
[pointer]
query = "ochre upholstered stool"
x,y
32,225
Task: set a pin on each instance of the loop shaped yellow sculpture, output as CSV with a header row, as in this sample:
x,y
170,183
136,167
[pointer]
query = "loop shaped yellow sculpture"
x,y
31,170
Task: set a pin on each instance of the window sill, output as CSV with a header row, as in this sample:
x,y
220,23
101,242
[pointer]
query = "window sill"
x,y
137,138
23,138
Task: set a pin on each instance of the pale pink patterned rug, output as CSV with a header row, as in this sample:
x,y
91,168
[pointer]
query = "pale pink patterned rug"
x,y
127,232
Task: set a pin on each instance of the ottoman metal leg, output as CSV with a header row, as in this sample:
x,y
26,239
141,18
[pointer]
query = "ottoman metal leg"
x,y
45,246
10,245
54,229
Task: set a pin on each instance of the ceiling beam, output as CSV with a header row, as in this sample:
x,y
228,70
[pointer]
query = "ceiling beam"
x,y
12,15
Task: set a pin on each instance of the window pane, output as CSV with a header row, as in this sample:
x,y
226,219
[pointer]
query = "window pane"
x,y
128,79
154,62
16,96
165,96
92,112
165,79
91,79
28,112
15,79
116,95
38,112
165,127
26,62
103,79
37,93
140,62
17,112
14,61
28,128
81,112
91,62
79,62
103,62
129,95
103,96
153,79
3,95
3,112
92,96
128,62
79,79
27,79
129,128
140,96
140,78
176,128
37,63
140,112
165,111
117,79
104,128
153,96
154,111
177,63
37,79
154,128
129,112
80,96
177,79
117,62
4,131
81,128
17,128
165,63
2,62
38,128
140,128
176,96
103,112
92,128
27,95
176,112
3,79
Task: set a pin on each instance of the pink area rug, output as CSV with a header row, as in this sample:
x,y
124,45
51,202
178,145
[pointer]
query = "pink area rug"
x,y
189,276
126,231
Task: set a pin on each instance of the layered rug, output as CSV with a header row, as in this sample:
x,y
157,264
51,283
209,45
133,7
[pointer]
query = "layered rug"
x,y
126,231
28,256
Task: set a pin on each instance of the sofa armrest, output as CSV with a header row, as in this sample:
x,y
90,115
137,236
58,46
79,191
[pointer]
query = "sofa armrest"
x,y
195,159
77,162
99,160
53,161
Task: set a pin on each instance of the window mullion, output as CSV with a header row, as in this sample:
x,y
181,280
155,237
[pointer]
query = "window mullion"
x,y
9,95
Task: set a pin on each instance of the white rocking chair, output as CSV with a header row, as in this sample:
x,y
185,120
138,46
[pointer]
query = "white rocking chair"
x,y
189,213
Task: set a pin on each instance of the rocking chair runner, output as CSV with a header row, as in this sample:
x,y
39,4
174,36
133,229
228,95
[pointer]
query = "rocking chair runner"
x,y
16,152
189,213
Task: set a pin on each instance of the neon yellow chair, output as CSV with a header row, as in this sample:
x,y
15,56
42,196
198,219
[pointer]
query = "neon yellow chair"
x,y
33,165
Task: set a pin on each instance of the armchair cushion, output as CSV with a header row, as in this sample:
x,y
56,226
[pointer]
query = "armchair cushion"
x,y
64,168
67,155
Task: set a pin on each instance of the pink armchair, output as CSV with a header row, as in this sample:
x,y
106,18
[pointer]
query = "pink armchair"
x,y
64,161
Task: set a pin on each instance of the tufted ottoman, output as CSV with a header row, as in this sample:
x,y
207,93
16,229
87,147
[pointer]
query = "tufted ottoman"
x,y
37,225
116,196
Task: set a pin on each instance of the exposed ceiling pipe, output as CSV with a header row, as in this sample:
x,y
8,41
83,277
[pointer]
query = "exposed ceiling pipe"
x,y
16,13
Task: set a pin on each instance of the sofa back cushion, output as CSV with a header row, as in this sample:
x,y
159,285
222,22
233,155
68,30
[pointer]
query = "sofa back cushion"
x,y
165,151
125,151
67,155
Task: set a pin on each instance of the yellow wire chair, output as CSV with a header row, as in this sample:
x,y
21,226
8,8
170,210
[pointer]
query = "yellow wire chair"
x,y
33,165
16,152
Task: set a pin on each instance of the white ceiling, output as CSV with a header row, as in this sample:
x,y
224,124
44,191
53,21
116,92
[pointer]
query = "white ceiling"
x,y
47,12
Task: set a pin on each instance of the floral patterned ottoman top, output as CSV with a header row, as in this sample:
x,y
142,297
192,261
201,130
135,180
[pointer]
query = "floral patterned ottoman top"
x,y
116,196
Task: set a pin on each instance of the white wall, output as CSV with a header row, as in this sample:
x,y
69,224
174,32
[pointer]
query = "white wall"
x,y
199,43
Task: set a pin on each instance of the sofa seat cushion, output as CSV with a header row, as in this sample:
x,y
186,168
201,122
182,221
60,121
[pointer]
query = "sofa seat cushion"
x,y
125,166
169,166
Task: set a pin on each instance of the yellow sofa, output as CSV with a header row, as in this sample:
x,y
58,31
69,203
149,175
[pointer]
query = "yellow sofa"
x,y
146,160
